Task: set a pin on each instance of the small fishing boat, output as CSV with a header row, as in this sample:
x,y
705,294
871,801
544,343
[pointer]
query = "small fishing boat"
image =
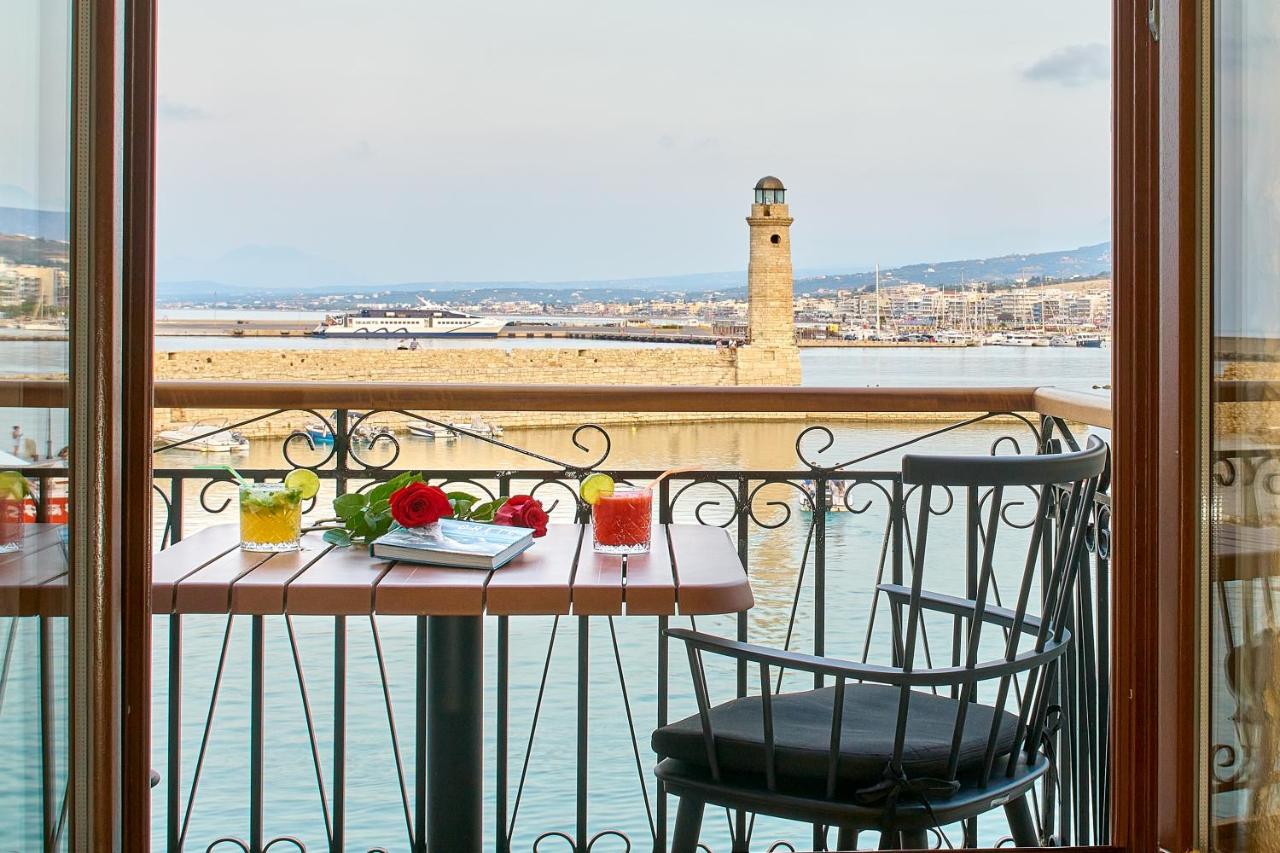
x,y
835,497
204,436
370,433
318,433
422,429
1062,341
478,427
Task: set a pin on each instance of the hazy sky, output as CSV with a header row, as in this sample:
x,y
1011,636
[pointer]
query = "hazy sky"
x,y
405,140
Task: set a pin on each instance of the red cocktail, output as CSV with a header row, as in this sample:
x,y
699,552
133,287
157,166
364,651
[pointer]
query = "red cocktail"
x,y
621,522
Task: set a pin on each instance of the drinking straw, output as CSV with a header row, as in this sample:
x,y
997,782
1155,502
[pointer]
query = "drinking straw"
x,y
672,472
232,471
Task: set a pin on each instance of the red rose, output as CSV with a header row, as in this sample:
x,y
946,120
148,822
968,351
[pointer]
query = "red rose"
x,y
418,504
523,511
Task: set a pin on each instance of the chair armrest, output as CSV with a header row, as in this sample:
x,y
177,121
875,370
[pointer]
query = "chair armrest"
x,y
961,607
875,673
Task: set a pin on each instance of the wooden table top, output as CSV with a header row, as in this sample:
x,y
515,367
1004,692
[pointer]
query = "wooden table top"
x,y
691,570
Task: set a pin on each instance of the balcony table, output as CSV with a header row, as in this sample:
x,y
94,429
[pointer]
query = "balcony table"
x,y
691,570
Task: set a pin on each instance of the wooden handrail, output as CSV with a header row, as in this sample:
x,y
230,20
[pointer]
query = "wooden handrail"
x,y
1080,406
1093,409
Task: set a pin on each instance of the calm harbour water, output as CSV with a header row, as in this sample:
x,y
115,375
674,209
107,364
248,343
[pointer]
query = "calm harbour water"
x,y
374,813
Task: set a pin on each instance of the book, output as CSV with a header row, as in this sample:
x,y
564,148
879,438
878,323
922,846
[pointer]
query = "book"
x,y
458,544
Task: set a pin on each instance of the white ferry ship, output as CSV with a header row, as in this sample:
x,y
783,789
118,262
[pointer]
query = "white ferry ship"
x,y
408,323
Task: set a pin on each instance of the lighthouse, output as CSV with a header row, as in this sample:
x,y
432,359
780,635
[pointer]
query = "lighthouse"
x,y
770,317
771,357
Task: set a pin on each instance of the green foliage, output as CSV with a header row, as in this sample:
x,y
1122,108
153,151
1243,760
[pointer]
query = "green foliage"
x,y
367,515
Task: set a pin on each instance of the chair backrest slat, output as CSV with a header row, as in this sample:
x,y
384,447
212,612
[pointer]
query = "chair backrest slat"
x,y
704,709
985,570
1015,632
837,722
914,620
766,712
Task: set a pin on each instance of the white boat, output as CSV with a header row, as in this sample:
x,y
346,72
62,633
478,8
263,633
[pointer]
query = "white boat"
x,y
408,323
204,436
1014,339
1062,341
55,325
955,338
422,429
479,427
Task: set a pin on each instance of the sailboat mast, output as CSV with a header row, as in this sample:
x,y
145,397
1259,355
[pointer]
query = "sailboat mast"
x,y
877,299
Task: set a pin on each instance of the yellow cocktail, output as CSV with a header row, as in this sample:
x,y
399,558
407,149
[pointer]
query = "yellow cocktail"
x,y
270,517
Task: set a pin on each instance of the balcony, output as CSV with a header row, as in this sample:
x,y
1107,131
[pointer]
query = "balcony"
x,y
288,731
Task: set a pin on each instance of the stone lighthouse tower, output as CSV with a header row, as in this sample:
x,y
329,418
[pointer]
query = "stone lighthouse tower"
x,y
772,357
770,317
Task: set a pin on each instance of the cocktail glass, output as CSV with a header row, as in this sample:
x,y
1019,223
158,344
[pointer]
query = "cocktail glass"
x,y
622,522
270,517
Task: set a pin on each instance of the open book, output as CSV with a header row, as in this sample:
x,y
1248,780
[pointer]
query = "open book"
x,y
460,544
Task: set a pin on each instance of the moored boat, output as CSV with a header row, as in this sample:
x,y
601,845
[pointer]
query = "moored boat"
x,y
422,429
204,436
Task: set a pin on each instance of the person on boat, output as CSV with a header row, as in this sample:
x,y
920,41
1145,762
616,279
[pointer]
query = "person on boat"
x,y
17,439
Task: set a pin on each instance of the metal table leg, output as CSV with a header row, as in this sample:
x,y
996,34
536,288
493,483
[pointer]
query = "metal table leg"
x,y
453,723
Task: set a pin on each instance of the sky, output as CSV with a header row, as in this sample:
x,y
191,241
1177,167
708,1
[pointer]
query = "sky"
x,y
488,140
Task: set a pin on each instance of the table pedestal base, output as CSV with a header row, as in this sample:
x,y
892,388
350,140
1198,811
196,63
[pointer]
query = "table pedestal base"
x,y
454,681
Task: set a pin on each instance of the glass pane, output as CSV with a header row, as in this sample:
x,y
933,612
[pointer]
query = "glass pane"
x,y
1244,661
34,305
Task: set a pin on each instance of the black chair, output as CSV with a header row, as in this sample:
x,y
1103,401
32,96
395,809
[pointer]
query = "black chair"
x,y
905,748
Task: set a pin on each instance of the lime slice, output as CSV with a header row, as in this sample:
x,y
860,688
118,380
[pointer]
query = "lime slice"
x,y
304,481
594,486
13,485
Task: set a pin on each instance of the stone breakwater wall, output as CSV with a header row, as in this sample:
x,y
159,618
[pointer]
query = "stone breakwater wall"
x,y
595,366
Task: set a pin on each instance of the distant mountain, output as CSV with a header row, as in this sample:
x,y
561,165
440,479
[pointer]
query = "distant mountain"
x,y
1084,262
264,274
38,224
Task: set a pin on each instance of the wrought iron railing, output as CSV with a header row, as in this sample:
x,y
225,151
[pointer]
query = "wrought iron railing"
x,y
809,591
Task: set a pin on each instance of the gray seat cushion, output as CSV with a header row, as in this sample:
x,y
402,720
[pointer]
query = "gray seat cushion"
x,y
802,735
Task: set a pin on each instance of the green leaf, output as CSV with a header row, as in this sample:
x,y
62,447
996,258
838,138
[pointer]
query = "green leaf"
x,y
340,538
379,507
485,512
349,505
382,491
460,496
380,526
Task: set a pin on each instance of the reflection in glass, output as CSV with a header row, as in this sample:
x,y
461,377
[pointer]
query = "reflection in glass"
x,y
34,310
1244,660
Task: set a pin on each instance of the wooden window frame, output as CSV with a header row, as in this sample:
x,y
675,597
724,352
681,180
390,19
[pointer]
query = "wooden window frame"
x,y
1158,399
